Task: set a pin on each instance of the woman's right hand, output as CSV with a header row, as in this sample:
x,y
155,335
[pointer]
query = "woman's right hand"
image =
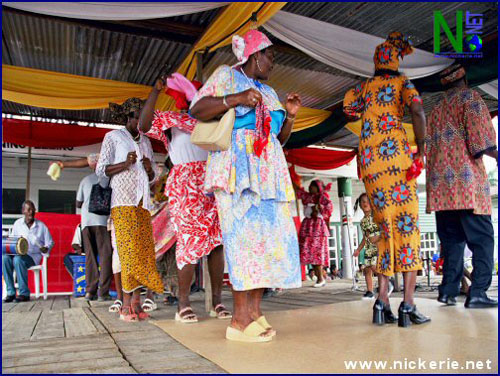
x,y
131,159
161,83
249,98
60,163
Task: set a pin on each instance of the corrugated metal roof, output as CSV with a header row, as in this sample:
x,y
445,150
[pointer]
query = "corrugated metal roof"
x,y
414,19
44,43
47,43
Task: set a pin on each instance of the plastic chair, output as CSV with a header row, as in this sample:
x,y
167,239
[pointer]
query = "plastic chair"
x,y
43,269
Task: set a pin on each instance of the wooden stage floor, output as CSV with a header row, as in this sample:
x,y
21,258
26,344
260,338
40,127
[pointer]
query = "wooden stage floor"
x,y
68,335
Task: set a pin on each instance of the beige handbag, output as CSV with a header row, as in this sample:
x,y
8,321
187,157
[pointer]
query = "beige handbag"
x,y
215,135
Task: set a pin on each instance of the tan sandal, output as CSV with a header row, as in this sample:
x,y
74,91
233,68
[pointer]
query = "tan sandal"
x,y
189,318
223,314
252,333
263,322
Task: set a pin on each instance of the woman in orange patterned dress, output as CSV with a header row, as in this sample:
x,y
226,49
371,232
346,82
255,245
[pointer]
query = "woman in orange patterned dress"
x,y
384,158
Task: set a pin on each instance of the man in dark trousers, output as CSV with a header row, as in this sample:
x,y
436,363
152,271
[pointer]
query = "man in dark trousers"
x,y
96,241
459,134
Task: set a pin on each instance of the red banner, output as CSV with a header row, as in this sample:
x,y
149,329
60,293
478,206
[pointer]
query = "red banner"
x,y
62,228
319,159
42,134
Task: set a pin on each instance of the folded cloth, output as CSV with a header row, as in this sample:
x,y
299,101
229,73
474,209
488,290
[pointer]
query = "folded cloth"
x,y
54,171
415,170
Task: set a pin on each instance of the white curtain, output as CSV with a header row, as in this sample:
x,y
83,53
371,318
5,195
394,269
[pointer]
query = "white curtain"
x,y
491,88
345,49
114,11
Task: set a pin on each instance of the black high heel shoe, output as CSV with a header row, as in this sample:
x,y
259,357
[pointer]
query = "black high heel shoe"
x,y
409,314
382,313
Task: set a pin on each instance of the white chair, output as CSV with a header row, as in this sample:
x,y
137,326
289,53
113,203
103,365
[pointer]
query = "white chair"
x,y
43,269
35,269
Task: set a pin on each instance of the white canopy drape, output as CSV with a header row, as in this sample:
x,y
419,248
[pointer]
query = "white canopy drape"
x,y
491,88
114,11
345,49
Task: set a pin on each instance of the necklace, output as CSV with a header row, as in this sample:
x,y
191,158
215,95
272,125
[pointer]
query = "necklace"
x,y
135,138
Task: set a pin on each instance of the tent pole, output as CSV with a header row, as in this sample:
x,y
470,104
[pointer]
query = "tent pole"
x,y
28,178
204,262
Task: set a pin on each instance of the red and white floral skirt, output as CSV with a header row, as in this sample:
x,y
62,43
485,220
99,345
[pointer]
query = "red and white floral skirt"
x,y
194,214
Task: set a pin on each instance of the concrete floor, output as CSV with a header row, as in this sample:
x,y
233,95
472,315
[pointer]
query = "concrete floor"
x,y
68,335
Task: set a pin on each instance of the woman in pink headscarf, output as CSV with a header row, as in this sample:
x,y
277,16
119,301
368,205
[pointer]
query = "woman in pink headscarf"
x,y
194,214
251,182
314,230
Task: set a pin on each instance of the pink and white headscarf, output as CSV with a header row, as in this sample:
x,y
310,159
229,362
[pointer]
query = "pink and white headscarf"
x,y
250,43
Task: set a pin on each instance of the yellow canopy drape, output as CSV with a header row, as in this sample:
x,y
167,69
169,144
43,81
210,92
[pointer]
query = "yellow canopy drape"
x,y
355,127
47,89
309,117
222,29
39,88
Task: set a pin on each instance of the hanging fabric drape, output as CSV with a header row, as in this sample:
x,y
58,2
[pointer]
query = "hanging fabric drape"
x,y
319,159
345,49
114,11
309,117
491,88
46,89
41,134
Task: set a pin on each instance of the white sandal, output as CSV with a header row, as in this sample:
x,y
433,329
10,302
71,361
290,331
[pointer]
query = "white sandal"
x,y
189,318
223,314
149,305
116,306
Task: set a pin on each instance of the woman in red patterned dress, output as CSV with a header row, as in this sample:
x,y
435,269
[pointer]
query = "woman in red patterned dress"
x,y
194,214
314,230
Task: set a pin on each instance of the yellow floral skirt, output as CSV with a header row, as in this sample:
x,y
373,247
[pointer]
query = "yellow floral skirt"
x,y
394,204
136,249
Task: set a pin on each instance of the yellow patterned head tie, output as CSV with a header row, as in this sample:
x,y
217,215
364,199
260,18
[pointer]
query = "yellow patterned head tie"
x,y
387,54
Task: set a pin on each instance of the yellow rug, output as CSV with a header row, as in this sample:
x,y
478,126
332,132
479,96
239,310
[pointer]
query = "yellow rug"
x,y
326,338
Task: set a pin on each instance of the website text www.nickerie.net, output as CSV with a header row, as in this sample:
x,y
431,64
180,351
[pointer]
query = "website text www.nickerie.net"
x,y
419,365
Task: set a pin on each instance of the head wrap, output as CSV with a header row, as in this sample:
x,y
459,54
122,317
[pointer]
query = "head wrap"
x,y
121,113
452,74
321,186
182,90
250,43
388,53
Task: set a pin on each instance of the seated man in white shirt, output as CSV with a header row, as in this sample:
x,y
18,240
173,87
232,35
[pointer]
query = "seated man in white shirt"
x,y
40,242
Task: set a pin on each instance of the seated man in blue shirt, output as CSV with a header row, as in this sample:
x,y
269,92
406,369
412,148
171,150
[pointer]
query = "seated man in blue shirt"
x,y
40,242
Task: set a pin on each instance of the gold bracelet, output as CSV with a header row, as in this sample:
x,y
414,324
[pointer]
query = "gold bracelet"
x,y
291,118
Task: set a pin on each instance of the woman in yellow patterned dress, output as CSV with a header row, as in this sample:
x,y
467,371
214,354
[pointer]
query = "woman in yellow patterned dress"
x,y
127,158
384,158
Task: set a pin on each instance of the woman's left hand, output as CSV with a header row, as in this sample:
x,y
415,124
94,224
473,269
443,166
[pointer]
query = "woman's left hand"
x,y
293,103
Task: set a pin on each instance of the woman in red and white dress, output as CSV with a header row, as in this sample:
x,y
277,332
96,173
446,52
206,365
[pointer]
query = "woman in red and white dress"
x,y
194,214
314,230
